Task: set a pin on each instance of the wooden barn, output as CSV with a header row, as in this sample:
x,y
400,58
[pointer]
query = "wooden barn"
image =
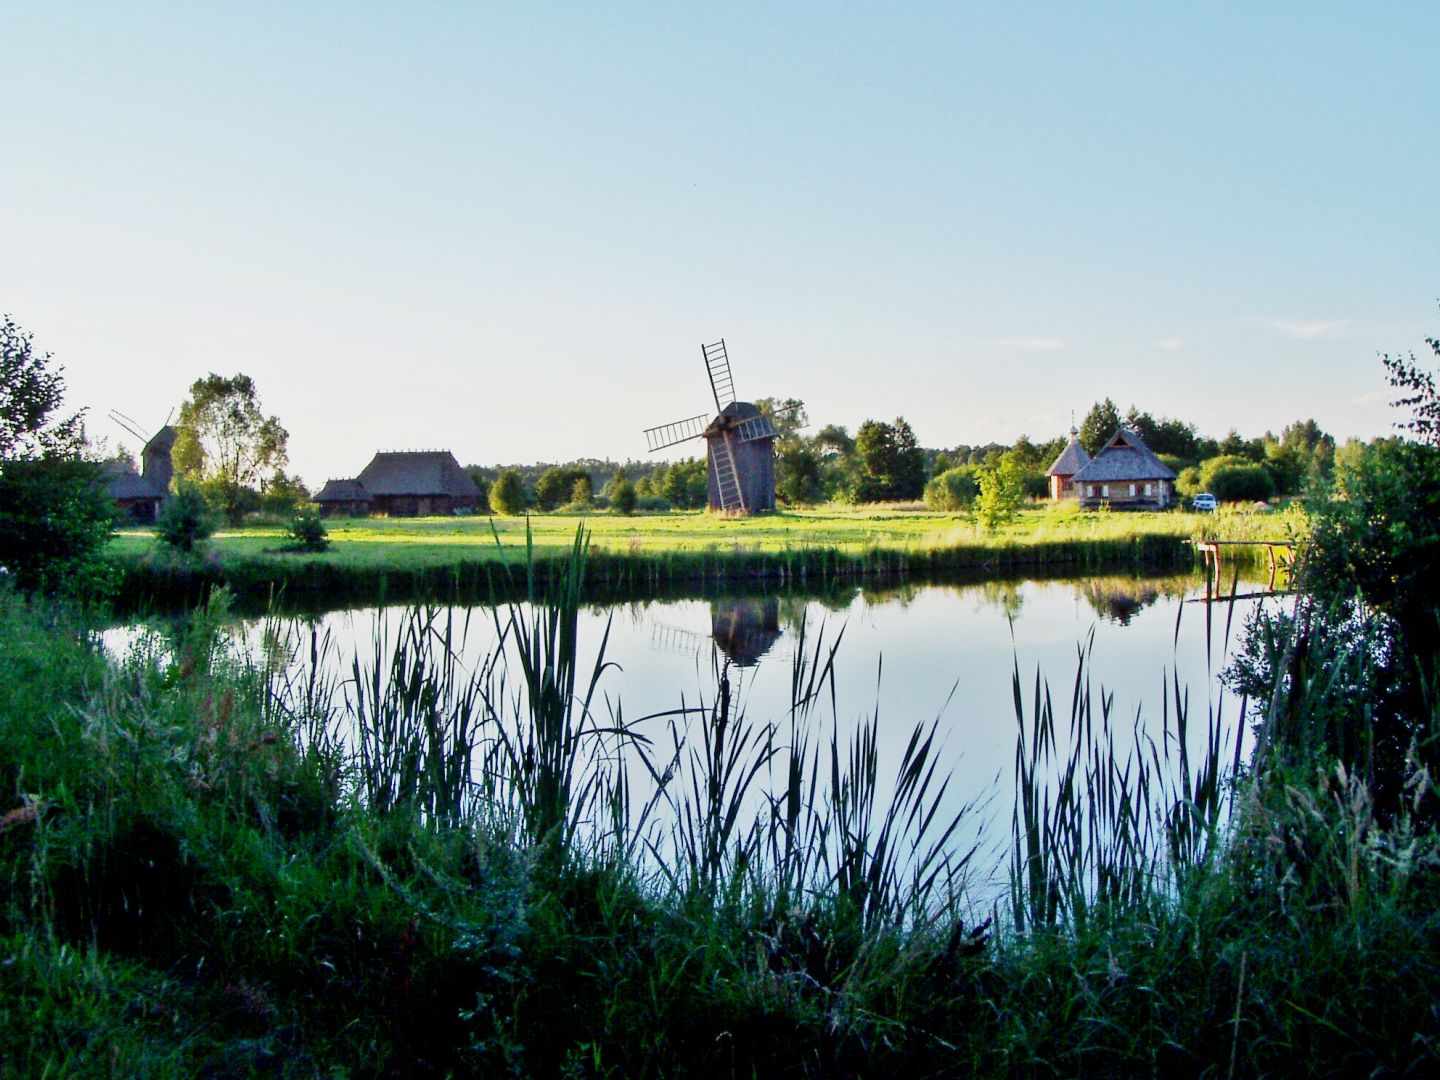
x,y
418,483
1062,474
343,498
1125,475
140,496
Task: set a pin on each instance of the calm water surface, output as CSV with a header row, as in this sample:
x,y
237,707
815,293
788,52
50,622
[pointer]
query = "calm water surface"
x,y
909,656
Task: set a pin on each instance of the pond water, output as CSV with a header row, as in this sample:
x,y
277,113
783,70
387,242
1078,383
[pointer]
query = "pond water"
x,y
908,656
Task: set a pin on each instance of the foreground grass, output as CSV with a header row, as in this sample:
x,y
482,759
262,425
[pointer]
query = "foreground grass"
x,y
376,558
193,884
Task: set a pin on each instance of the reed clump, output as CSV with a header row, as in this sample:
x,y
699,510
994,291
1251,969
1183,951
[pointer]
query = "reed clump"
x,y
202,877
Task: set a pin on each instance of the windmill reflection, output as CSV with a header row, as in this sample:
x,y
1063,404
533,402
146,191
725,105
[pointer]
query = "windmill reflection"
x,y
745,630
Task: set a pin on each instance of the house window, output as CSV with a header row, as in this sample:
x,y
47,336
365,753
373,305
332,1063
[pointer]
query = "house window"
x,y
1104,491
1149,490
1132,490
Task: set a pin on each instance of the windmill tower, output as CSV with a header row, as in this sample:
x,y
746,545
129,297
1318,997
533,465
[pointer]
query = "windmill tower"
x,y
155,464
739,441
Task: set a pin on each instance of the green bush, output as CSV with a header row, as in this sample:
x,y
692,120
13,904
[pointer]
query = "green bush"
x,y
622,496
309,532
954,489
507,494
54,519
185,520
1242,483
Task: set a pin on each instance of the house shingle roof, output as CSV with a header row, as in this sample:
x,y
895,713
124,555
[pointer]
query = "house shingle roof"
x,y
417,472
1125,458
1071,460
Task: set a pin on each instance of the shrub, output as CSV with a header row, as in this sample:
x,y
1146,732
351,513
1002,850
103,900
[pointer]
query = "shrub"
x,y
507,494
953,489
309,532
55,518
1242,483
185,521
622,496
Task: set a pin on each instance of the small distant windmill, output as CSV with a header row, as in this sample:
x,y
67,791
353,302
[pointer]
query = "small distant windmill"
x,y
154,450
740,442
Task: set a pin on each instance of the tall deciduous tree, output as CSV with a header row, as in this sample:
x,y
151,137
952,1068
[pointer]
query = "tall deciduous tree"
x,y
889,462
225,442
29,393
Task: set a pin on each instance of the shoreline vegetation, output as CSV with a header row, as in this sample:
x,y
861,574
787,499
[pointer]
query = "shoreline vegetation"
x,y
458,559
203,877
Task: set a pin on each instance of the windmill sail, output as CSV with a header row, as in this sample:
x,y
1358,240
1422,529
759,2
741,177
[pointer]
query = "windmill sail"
x,y
717,365
657,438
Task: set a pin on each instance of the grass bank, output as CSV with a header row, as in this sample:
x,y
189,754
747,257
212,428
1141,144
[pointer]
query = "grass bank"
x,y
379,560
201,878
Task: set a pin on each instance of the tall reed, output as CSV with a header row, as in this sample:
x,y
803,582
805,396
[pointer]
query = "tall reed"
x,y
1097,830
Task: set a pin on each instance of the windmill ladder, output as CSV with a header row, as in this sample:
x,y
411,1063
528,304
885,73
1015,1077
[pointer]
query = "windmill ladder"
x,y
727,480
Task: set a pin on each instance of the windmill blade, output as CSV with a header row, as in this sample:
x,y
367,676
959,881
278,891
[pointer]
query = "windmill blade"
x,y
132,426
658,438
717,366
757,427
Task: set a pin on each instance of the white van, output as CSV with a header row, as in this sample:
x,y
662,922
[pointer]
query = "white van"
x,y
1203,501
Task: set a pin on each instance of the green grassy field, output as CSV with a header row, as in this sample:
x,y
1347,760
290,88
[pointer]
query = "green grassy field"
x,y
413,556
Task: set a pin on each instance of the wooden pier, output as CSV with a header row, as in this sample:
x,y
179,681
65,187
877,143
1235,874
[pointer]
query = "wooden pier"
x,y
1281,555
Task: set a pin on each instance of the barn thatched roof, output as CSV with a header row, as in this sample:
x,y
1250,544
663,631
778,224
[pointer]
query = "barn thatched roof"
x,y
1124,459
1072,459
417,472
123,482
342,491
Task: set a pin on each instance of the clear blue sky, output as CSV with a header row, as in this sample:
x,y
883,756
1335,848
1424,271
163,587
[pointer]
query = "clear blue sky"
x,y
506,229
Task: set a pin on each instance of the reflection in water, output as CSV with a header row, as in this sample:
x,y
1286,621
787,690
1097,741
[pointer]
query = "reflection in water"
x,y
745,630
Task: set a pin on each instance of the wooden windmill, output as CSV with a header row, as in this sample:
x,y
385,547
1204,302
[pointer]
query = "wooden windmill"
x,y
739,439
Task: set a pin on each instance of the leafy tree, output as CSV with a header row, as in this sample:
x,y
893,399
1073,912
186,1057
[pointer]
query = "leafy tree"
x,y
1002,492
799,476
507,494
686,484
556,485
787,415
225,440
54,513
1099,424
282,494
582,493
622,495
889,464
185,521
29,393
1419,395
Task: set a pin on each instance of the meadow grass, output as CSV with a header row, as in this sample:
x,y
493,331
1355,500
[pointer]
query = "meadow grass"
x,y
377,559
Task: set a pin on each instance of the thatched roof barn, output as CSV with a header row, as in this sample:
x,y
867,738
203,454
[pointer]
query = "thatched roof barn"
x,y
1125,475
418,483
343,498
1071,460
136,497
